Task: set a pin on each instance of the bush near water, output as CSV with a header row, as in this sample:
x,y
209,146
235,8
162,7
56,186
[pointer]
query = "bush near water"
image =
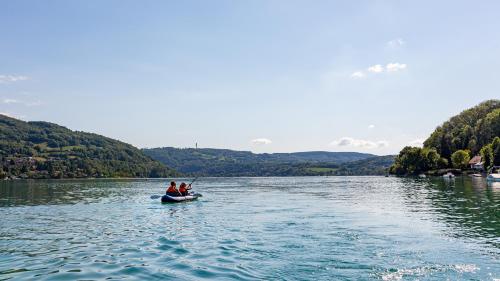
x,y
475,131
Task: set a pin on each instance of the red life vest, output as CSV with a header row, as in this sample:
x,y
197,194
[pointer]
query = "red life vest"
x,y
172,189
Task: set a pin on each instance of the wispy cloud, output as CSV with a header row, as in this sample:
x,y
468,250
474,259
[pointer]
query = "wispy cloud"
x,y
392,67
10,101
396,43
376,68
382,143
12,78
358,143
417,142
358,75
261,141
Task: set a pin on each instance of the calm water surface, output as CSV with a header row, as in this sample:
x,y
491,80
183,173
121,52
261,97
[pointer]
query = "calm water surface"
x,y
320,228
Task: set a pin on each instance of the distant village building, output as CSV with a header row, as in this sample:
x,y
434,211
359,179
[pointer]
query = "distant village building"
x,y
476,163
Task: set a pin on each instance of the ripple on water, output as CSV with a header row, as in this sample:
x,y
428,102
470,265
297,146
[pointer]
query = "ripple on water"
x,y
339,229
462,271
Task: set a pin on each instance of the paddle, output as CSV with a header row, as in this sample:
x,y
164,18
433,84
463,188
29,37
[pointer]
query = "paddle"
x,y
192,182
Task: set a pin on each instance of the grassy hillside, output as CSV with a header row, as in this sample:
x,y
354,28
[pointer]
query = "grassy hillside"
x,y
224,162
46,150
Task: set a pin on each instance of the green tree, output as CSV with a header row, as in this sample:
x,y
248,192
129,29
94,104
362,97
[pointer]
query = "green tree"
x,y
495,145
442,163
460,159
487,155
431,158
415,160
490,126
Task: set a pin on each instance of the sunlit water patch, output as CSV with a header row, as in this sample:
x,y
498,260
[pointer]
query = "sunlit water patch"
x,y
314,228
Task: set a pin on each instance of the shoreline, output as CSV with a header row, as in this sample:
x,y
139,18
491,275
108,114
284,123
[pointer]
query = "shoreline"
x,y
239,177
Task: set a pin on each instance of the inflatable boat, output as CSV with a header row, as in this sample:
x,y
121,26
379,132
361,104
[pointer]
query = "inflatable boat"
x,y
174,199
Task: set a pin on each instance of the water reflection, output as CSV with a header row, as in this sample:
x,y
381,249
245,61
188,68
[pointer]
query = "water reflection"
x,y
469,205
494,185
54,192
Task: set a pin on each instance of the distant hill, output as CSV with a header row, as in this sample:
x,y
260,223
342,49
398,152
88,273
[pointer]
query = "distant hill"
x,y
46,150
225,162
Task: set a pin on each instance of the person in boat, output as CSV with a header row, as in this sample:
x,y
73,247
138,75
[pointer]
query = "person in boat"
x,y
172,190
183,188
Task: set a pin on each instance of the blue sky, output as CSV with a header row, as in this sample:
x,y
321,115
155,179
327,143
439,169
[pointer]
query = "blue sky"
x,y
266,76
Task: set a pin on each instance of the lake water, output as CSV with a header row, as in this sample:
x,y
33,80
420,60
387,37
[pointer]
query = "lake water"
x,y
312,228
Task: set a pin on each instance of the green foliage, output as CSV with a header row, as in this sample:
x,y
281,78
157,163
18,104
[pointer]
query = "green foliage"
x,y
415,160
470,130
224,162
487,156
460,159
442,163
495,145
490,153
46,150
432,158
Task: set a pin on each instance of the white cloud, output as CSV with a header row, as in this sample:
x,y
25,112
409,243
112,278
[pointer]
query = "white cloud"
x,y
393,67
351,142
9,101
11,78
376,68
261,141
417,143
371,126
396,43
358,74
25,103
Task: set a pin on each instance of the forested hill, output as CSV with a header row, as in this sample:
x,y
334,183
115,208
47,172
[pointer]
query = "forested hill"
x,y
473,132
46,150
224,162
470,130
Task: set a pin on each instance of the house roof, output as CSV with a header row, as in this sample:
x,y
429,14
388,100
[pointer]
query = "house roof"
x,y
475,160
